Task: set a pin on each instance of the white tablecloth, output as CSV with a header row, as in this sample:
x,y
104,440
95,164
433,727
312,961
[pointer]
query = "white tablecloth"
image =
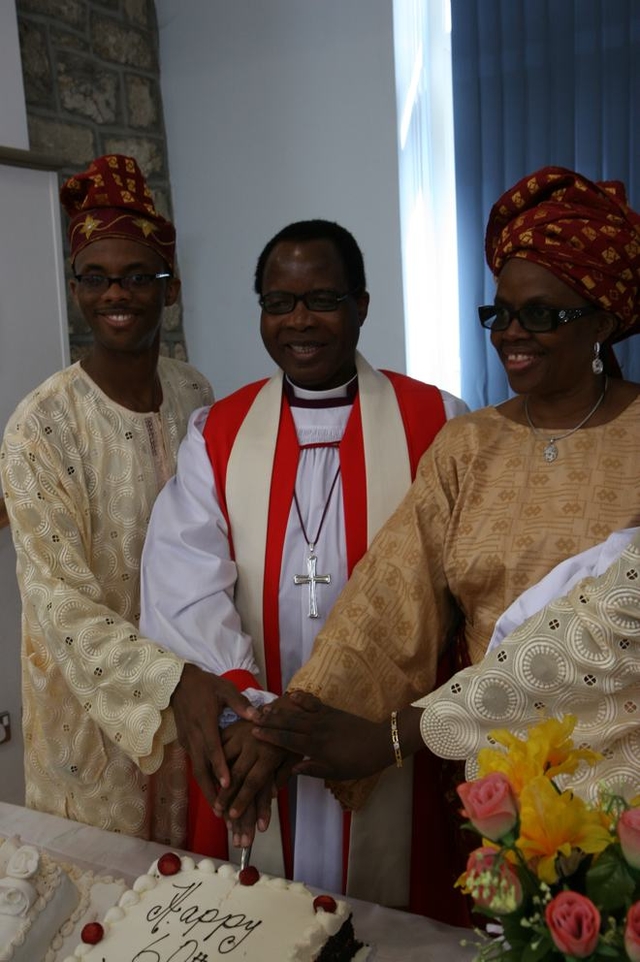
x,y
396,936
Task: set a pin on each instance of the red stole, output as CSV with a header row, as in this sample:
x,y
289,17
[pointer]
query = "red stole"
x,y
422,413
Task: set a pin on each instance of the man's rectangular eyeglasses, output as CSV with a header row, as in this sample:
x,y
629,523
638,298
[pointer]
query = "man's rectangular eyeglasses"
x,y
283,302
535,318
99,283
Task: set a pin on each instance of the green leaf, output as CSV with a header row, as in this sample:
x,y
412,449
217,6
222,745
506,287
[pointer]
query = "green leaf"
x,y
515,933
609,883
607,952
511,955
540,948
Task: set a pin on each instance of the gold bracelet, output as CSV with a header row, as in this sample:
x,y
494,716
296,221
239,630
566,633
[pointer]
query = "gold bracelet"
x,y
395,739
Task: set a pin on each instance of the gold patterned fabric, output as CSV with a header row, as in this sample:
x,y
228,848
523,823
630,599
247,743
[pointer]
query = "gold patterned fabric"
x,y
80,474
579,655
485,519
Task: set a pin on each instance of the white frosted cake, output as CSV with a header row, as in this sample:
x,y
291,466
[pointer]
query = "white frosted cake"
x,y
187,910
37,897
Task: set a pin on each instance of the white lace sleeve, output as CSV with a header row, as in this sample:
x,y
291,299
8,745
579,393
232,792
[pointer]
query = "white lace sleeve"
x,y
580,655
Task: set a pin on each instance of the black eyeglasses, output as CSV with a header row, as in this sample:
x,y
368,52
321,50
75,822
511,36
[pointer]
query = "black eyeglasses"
x,y
99,283
283,302
534,318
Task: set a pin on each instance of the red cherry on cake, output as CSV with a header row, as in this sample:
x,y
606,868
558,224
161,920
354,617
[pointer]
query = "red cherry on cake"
x,y
92,933
248,875
324,902
169,863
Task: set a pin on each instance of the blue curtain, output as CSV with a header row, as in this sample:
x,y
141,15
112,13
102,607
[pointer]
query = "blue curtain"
x,y
536,82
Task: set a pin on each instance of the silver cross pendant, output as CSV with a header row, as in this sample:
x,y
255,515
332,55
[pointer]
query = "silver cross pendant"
x,y
312,579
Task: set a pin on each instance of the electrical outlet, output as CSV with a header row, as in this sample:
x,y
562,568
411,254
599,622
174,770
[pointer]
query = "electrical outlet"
x,y
5,727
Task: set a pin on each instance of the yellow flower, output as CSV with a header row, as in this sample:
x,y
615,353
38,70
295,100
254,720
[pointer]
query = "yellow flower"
x,y
554,825
548,750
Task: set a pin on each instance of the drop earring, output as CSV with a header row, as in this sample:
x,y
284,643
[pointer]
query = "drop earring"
x,y
596,365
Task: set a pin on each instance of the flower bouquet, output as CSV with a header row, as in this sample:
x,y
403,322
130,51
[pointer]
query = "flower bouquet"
x,y
559,878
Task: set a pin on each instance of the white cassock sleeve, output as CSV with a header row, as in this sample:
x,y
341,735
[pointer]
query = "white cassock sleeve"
x,y
187,576
453,406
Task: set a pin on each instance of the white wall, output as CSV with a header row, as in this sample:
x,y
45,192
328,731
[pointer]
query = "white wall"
x,y
277,110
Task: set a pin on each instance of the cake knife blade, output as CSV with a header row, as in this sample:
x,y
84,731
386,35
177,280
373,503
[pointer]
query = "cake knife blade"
x,y
245,856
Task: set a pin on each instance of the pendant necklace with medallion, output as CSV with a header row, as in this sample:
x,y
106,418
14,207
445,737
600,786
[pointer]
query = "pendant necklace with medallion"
x,y
550,452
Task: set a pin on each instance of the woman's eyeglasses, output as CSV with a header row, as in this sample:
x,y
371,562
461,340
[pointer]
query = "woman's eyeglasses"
x,y
535,318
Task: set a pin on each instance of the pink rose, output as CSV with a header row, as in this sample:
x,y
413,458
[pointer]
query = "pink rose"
x,y
632,933
629,835
492,882
574,924
490,805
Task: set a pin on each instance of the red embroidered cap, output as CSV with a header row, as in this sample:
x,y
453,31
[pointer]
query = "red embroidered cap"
x,y
111,199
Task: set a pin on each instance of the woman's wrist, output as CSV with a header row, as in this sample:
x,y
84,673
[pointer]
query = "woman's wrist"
x,y
403,732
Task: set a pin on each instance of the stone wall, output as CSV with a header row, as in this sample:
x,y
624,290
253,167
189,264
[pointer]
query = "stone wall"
x,y
92,87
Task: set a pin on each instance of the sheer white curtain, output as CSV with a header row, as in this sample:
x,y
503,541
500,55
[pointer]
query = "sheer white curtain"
x,y
422,41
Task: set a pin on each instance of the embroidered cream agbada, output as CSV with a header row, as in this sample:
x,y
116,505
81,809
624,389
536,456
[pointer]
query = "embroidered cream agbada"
x,y
80,474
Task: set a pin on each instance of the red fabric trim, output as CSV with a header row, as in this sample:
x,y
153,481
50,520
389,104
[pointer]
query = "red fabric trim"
x,y
285,469
422,411
435,862
285,831
354,487
346,845
423,414
241,679
220,430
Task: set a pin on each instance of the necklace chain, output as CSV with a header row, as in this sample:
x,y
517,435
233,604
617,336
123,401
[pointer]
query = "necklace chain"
x,y
312,578
550,452
313,543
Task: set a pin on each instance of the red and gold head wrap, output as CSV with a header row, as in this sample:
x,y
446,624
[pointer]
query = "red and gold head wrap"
x,y
583,232
111,199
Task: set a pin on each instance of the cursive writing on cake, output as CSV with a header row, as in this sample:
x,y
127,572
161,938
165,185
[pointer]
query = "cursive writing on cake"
x,y
202,922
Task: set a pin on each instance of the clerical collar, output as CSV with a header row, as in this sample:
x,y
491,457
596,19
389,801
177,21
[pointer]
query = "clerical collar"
x,y
344,395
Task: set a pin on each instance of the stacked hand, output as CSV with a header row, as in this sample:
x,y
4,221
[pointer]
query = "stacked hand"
x,y
240,769
257,771
237,774
295,734
197,701
333,744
